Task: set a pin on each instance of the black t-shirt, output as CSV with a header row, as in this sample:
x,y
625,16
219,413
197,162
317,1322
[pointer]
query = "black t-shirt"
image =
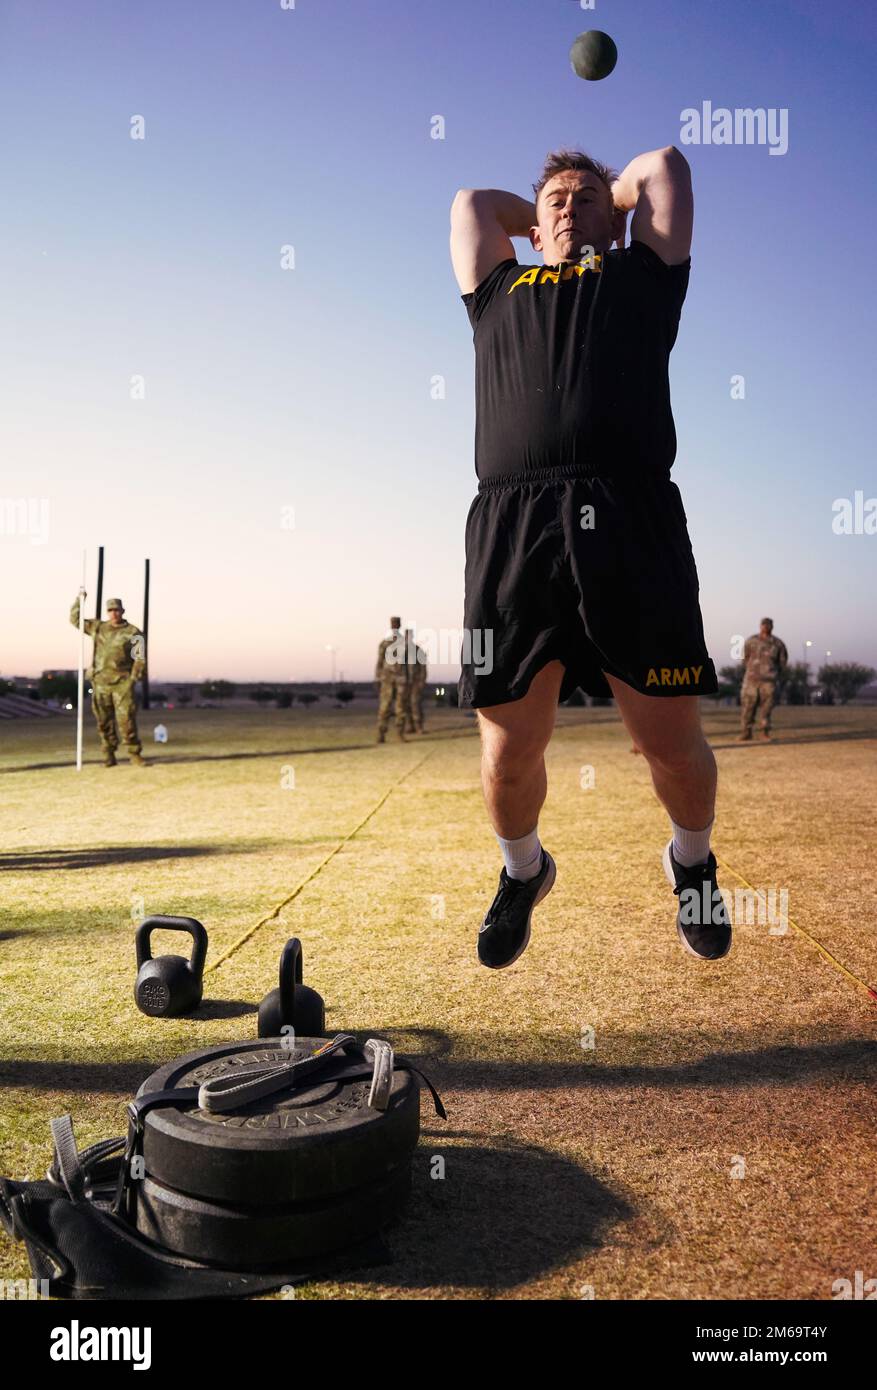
x,y
571,366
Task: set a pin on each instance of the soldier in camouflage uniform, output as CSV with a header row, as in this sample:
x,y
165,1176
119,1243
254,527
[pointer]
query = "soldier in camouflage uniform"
x,y
393,674
417,661
766,659
119,661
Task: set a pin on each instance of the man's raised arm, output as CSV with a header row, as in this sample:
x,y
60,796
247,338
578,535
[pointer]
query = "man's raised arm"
x,y
90,623
656,187
483,221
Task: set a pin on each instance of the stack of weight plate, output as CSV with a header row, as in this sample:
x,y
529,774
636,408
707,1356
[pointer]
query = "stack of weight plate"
x,y
292,1176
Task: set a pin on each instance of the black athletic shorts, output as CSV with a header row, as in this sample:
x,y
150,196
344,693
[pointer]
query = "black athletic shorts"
x,y
595,572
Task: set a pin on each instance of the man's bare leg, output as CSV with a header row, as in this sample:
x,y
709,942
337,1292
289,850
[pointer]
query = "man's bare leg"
x,y
668,732
513,742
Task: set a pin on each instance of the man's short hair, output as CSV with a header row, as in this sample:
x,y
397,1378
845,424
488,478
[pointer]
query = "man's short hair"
x,y
769,622
559,160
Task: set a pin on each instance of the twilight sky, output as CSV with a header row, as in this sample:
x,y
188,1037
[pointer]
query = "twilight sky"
x,y
219,342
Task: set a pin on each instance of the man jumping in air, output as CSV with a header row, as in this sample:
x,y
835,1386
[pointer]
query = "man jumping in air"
x,y
577,551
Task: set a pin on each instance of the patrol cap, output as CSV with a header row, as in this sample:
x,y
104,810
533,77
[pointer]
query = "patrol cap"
x,y
769,621
115,603
395,622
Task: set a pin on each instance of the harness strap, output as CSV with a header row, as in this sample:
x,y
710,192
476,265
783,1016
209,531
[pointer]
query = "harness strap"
x,y
229,1092
236,1088
66,1159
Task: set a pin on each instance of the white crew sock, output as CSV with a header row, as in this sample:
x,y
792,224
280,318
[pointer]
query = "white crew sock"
x,y
690,847
523,857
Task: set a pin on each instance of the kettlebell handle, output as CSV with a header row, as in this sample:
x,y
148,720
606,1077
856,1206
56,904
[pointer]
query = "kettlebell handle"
x,y
187,924
291,967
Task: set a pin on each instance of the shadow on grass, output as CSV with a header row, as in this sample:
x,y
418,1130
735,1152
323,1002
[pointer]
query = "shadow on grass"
x,y
115,854
491,1215
157,760
851,1059
483,1212
224,1008
784,740
489,1211
94,1078
414,740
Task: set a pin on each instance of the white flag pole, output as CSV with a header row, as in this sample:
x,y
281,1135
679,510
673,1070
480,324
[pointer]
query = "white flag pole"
x,y
81,684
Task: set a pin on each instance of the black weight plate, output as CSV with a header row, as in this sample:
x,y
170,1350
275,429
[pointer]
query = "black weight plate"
x,y
300,1146
241,1238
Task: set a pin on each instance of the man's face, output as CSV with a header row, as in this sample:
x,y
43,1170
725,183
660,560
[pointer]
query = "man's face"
x,y
766,629
116,617
575,210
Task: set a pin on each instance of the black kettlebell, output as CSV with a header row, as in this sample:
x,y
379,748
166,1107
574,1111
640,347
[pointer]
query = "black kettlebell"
x,y
169,985
294,1004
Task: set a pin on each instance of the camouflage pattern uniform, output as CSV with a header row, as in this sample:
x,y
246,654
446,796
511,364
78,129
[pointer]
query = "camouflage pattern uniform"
x,y
417,658
766,658
392,671
118,662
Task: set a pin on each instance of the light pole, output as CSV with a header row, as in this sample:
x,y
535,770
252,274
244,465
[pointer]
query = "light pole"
x,y
333,651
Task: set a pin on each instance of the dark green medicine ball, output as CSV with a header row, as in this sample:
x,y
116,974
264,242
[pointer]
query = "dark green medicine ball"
x,y
593,55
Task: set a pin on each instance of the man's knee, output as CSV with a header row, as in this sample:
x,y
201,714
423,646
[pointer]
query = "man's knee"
x,y
511,757
677,756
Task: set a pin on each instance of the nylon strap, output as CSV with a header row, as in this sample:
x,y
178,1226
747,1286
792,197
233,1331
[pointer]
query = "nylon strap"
x,y
67,1158
235,1089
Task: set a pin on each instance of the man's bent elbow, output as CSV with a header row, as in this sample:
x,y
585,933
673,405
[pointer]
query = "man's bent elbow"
x,y
674,158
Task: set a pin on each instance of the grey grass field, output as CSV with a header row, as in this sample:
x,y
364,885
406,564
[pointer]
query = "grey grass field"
x,y
623,1121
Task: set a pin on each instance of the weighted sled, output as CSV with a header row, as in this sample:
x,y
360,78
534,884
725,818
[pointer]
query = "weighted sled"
x,y
247,1237
307,1145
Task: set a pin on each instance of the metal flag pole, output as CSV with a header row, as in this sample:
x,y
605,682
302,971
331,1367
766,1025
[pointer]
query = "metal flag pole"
x,y
80,696
100,581
145,679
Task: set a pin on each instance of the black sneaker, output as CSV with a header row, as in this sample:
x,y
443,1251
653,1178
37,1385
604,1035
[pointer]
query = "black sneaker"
x,y
505,932
702,919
